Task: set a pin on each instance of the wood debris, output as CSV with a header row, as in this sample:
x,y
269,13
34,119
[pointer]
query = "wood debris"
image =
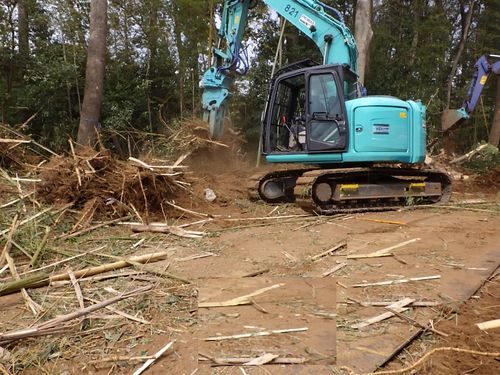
x,y
383,252
177,231
262,360
491,324
400,281
415,323
238,361
256,334
329,251
45,279
334,269
238,301
57,324
398,306
150,362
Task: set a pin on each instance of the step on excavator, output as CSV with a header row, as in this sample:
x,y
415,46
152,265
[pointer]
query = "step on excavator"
x,y
363,153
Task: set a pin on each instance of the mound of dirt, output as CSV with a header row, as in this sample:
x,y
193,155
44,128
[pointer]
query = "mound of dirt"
x,y
111,186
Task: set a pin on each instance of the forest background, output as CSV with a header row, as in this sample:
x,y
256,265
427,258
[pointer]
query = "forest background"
x,y
157,51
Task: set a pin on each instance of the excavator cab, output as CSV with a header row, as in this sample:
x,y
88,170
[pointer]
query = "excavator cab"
x,y
306,109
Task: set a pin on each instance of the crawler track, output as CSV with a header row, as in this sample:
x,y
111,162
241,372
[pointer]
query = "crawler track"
x,y
301,185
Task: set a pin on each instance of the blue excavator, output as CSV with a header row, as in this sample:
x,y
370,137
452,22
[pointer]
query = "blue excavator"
x,y
355,153
484,68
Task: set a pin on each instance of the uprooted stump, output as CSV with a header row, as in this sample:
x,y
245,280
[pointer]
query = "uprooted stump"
x,y
96,182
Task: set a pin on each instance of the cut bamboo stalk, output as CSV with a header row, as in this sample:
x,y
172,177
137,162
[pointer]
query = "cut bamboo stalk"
x,y
187,211
32,305
149,362
167,229
416,323
40,248
491,324
398,306
16,200
8,243
383,252
26,221
262,360
44,279
329,251
243,300
383,221
52,265
331,271
85,231
78,290
6,140
256,334
257,273
153,167
57,324
401,281
194,257
241,361
387,303
98,278
121,313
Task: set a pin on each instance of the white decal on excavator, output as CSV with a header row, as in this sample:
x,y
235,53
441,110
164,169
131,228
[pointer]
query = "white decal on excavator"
x,y
307,21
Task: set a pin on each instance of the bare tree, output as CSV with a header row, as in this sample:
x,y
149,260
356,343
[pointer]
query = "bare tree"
x,y
494,138
94,76
23,30
363,33
466,18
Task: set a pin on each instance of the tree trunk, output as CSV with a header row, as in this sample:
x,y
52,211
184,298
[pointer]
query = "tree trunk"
x,y
94,76
363,33
23,33
466,22
494,138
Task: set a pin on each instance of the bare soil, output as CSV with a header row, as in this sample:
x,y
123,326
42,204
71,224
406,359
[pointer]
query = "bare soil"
x,y
458,245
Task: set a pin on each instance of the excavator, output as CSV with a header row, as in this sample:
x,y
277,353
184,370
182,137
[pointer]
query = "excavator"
x,y
484,67
354,153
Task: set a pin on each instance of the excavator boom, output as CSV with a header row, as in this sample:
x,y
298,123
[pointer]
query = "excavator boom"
x,y
483,69
321,23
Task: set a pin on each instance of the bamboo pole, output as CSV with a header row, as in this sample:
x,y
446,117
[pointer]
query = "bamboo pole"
x,y
44,279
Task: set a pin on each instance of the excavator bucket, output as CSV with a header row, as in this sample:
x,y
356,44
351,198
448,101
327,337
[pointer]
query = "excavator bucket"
x,y
451,118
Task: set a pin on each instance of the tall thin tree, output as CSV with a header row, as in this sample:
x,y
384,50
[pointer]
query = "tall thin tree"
x,y
94,76
363,33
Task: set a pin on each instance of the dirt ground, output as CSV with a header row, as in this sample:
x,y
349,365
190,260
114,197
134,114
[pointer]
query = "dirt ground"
x,y
455,249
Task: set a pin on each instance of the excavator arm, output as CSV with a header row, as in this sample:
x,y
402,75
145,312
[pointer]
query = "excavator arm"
x,y
482,72
323,24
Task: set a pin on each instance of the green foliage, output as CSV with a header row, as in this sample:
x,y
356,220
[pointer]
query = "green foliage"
x,y
158,50
485,161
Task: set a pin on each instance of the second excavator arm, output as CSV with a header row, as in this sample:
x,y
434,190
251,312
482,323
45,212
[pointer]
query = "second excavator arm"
x,y
312,17
483,69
